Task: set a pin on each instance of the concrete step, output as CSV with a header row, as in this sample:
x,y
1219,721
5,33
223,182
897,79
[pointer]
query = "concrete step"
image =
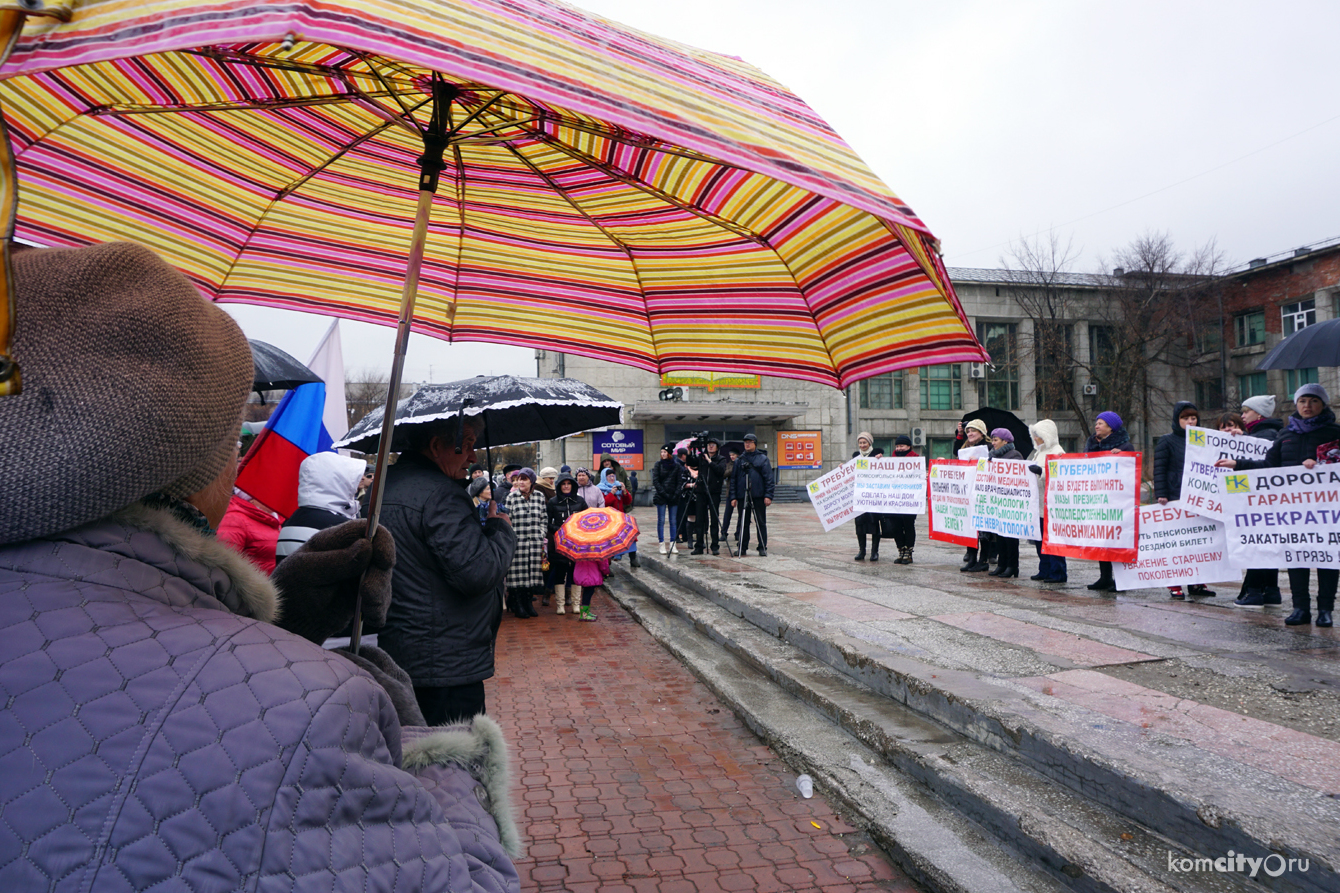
x,y
1075,791
932,842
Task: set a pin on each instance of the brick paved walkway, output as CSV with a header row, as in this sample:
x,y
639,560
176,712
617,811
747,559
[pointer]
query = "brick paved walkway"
x,y
630,776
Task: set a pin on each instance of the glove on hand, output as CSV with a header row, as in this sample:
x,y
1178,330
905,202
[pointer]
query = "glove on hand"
x,y
389,675
319,582
1036,469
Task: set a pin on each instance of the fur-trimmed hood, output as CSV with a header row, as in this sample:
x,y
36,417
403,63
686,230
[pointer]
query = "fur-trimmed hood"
x,y
191,567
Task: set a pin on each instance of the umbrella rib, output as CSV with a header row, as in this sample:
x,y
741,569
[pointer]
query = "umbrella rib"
x,y
386,85
615,240
238,105
460,241
647,188
661,149
358,141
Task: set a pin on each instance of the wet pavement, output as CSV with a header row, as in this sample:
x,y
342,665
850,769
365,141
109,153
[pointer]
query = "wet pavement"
x,y
1202,669
630,776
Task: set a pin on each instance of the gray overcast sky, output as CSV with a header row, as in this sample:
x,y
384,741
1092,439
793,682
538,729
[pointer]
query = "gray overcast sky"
x,y
1207,120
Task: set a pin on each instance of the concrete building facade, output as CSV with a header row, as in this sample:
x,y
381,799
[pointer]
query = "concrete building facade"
x,y
1262,303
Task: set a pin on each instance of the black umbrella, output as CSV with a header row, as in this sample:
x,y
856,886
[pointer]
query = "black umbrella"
x,y
276,370
1000,418
514,410
1317,345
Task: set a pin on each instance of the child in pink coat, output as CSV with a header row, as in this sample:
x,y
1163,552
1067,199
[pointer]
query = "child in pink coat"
x,y
589,574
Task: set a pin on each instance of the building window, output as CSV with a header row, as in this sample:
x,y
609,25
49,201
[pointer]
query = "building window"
x,y
939,449
1251,327
1299,377
1002,375
1298,316
1209,338
1210,393
942,386
883,391
1102,353
1054,374
1253,385
882,445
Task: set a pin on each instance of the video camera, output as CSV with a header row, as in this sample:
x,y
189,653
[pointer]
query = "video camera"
x,y
698,441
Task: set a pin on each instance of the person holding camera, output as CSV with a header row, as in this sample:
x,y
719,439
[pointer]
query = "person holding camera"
x,y
667,477
711,475
752,489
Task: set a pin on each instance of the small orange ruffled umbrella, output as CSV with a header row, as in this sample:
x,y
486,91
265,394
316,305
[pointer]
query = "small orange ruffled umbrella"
x,y
595,534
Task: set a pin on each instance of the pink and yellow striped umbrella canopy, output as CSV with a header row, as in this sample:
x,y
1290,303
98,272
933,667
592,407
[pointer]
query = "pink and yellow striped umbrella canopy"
x,y
607,193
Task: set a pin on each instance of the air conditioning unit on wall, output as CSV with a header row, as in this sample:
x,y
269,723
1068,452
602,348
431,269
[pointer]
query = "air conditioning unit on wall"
x,y
918,437
977,370
1091,390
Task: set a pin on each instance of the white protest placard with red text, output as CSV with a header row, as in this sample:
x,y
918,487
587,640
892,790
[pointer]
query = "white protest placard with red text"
x,y
1177,548
1092,504
1283,517
891,484
949,491
834,495
1202,492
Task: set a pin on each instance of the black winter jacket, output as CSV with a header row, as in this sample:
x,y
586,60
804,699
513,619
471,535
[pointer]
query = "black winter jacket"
x,y
1267,429
447,587
668,477
1292,447
1169,457
1117,440
754,467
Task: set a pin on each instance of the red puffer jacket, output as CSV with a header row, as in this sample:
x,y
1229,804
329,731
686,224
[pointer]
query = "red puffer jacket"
x,y
251,530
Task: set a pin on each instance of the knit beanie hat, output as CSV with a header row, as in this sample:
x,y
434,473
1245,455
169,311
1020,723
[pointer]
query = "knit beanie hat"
x,y
1311,390
902,440
977,425
1262,404
548,472
1003,434
524,472
477,486
1111,418
133,384
868,439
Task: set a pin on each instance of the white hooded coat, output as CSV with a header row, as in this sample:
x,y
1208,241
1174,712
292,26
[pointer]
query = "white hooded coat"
x,y
327,495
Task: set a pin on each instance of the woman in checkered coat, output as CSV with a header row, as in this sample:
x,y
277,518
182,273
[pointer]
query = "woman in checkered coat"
x,y
529,514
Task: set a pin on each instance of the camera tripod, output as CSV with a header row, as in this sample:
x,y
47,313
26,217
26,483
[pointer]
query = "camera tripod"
x,y
714,520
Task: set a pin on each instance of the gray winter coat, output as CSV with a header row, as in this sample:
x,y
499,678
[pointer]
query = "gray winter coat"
x,y
160,734
447,589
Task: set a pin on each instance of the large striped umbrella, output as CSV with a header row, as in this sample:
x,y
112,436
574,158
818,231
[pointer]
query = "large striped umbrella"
x,y
603,192
606,192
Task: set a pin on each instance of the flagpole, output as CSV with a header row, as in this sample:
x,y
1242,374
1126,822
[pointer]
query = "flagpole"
x,y
431,166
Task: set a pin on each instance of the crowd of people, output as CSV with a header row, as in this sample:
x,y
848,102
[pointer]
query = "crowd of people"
x,y
1310,435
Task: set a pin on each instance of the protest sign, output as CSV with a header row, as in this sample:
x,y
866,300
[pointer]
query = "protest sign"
x,y
967,454
950,495
1177,548
833,495
891,484
1201,491
1091,506
1283,517
1005,499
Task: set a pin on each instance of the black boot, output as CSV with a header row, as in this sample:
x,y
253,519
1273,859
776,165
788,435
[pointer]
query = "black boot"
x,y
632,560
874,548
860,541
514,605
544,600
977,568
1323,617
528,603
1302,611
969,561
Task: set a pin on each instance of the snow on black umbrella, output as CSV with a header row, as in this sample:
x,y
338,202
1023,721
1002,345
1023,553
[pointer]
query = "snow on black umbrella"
x,y
514,410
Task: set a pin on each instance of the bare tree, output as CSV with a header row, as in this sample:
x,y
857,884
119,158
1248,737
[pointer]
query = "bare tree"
x,y
1043,288
365,390
1146,313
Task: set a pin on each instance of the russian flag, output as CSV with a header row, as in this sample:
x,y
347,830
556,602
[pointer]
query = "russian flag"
x,y
294,432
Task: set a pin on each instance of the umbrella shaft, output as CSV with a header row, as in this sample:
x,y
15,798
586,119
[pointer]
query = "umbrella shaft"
x,y
407,298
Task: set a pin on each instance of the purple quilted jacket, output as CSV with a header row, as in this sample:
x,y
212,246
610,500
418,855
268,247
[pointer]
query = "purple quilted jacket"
x,y
158,733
